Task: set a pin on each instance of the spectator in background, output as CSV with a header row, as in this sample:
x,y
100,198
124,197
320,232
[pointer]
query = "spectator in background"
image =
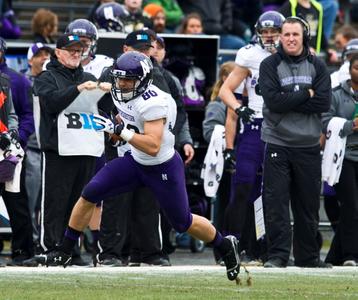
x,y
312,12
246,13
217,19
172,11
191,24
17,202
330,9
343,35
37,54
135,20
215,114
44,26
8,27
92,11
157,15
109,17
344,247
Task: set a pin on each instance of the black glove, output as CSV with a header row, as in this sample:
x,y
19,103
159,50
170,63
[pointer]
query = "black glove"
x,y
5,141
229,160
118,128
245,114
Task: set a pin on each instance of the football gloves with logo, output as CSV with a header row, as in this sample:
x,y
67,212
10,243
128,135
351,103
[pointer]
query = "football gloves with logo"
x,y
245,113
229,160
107,125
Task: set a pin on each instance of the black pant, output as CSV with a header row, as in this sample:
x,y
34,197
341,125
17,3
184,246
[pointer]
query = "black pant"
x,y
20,220
345,242
129,223
64,179
115,226
292,173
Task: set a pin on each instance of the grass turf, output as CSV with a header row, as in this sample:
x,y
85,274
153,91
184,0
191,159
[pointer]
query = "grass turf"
x,y
170,283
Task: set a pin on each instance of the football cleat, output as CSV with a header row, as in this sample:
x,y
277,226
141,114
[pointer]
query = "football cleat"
x,y
58,258
231,259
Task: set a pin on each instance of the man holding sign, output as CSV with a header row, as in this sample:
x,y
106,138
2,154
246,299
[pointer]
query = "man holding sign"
x,y
68,99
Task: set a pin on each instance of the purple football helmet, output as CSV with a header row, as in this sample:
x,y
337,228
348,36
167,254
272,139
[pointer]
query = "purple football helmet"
x,y
84,28
134,66
269,19
109,16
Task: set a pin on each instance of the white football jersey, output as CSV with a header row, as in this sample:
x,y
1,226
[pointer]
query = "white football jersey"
x,y
97,64
250,57
152,105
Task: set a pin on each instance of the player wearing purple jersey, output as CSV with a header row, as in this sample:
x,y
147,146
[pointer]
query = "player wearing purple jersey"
x,y
145,119
250,149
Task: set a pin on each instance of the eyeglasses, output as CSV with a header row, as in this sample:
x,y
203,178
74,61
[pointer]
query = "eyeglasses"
x,y
73,51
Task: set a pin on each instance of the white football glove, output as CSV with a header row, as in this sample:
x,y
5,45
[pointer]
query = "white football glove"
x,y
103,124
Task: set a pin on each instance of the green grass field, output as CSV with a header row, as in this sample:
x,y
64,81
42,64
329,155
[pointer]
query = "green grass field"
x,y
189,282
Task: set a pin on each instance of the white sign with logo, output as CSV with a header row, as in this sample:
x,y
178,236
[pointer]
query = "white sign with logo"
x,y
77,134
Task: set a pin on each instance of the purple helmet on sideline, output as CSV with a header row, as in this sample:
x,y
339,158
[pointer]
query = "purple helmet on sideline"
x,y
135,66
269,19
108,16
84,28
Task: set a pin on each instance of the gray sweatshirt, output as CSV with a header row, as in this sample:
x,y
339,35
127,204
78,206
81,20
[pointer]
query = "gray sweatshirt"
x,y
343,105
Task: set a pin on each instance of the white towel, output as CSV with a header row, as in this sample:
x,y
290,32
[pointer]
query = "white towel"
x,y
213,166
334,150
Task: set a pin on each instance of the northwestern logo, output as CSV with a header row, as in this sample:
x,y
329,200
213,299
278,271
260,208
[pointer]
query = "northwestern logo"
x,y
274,154
296,80
126,116
164,177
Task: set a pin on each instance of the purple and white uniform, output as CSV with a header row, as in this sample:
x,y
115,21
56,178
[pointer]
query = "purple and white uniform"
x,y
250,151
163,174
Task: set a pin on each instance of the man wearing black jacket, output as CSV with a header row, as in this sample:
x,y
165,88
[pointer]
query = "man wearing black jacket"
x,y
296,89
68,140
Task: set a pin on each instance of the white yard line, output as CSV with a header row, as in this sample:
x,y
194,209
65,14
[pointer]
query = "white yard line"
x,y
145,270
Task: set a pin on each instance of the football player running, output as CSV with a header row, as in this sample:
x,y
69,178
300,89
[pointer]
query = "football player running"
x,y
146,116
249,153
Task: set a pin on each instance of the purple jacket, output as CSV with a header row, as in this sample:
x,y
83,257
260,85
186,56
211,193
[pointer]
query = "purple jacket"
x,y
21,93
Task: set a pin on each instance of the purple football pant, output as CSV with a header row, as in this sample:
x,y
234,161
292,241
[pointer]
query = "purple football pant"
x,y
167,181
249,153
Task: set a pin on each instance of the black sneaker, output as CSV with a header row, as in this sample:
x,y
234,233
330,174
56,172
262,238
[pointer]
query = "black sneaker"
x,y
18,260
231,259
110,262
37,260
58,258
159,261
316,264
275,262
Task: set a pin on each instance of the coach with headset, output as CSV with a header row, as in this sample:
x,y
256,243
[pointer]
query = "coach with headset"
x,y
296,89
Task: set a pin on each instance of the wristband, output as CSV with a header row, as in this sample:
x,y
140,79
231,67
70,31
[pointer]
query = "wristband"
x,y
127,134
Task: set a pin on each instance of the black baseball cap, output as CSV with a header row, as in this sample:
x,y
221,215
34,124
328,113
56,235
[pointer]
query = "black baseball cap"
x,y
67,40
138,40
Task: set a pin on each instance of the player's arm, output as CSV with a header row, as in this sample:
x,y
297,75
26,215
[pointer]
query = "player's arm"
x,y
230,128
150,141
233,81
